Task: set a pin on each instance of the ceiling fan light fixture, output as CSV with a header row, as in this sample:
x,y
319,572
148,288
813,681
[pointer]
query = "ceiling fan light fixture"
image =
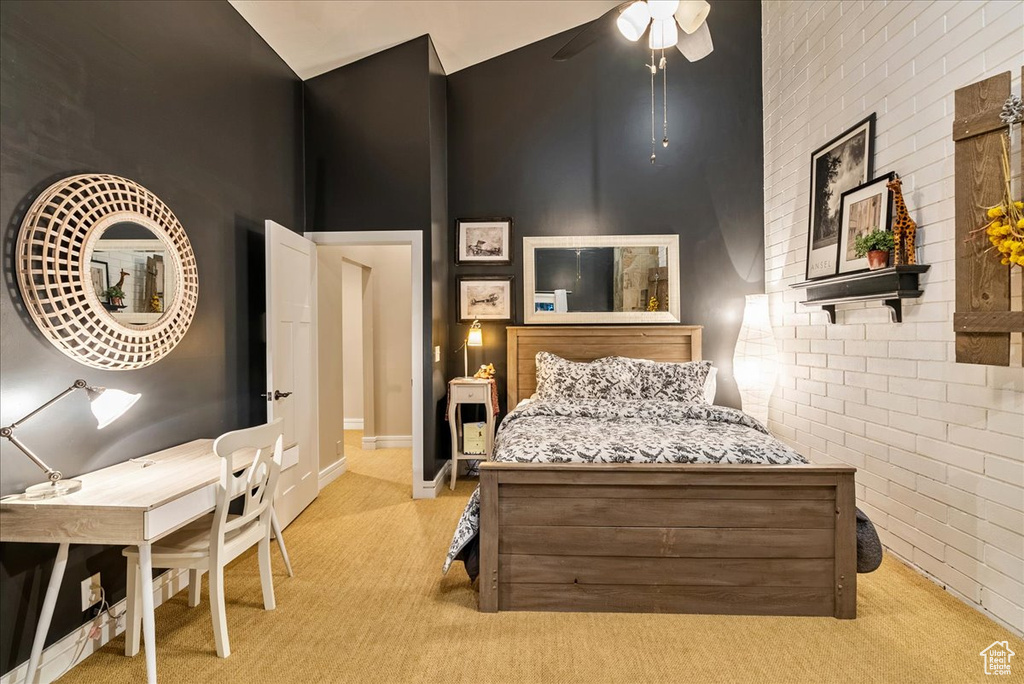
x,y
662,9
633,21
664,34
691,14
697,45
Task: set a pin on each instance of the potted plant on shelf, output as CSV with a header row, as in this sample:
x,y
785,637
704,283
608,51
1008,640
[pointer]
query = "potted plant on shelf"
x,y
115,298
876,245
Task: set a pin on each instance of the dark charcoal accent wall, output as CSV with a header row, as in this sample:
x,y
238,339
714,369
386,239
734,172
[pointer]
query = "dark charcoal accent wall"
x,y
367,143
376,143
185,98
564,147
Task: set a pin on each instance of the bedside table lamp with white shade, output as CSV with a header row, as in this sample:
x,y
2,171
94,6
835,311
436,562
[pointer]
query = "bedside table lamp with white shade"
x,y
475,338
107,406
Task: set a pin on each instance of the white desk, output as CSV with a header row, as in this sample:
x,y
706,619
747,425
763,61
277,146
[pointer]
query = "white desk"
x,y
128,504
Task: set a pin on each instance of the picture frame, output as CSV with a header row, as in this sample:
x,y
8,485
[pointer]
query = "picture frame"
x,y
485,298
843,163
863,209
484,241
99,274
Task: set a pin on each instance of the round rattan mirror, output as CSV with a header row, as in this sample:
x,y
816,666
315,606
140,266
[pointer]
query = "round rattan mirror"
x,y
107,272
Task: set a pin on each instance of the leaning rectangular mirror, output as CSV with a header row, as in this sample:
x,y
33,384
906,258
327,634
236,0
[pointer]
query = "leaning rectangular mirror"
x,y
601,279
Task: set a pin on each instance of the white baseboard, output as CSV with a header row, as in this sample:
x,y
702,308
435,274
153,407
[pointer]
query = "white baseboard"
x,y
353,423
430,489
61,656
387,442
331,472
1015,629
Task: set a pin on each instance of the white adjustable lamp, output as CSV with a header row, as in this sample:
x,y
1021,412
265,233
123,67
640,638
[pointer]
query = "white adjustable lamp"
x,y
107,406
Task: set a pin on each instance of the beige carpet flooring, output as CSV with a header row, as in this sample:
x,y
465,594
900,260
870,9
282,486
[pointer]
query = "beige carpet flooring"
x,y
368,604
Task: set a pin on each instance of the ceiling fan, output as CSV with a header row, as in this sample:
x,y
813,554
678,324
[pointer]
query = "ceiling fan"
x,y
661,21
664,18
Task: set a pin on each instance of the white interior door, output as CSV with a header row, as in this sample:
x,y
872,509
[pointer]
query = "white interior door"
x,y
292,364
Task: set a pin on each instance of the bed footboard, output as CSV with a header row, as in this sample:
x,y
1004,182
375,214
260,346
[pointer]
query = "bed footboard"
x,y
668,538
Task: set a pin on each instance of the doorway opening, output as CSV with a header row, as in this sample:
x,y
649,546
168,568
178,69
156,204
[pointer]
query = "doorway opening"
x,y
370,333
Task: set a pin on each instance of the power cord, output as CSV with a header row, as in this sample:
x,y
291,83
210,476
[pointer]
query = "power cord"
x,y
96,629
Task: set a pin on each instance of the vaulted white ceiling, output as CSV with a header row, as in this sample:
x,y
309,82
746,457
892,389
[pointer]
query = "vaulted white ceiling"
x,y
315,36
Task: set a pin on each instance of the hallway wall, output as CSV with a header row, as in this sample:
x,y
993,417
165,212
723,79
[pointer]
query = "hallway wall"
x,y
352,342
390,296
330,394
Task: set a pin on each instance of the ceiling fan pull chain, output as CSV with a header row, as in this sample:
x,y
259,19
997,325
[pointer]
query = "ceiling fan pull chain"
x,y
664,98
654,69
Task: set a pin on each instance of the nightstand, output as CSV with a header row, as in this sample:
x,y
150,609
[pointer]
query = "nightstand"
x,y
469,391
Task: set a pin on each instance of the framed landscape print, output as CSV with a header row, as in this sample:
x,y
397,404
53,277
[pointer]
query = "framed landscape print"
x,y
841,164
483,241
863,210
485,299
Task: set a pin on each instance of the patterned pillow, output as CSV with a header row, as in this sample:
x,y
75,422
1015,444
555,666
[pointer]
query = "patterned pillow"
x,y
559,378
669,381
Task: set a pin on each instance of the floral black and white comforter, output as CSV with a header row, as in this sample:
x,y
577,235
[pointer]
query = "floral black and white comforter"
x,y
610,431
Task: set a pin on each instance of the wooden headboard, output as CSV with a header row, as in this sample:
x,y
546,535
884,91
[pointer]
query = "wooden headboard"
x,y
588,342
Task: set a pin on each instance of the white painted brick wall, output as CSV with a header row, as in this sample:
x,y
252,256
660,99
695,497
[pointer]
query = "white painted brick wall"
x,y
939,445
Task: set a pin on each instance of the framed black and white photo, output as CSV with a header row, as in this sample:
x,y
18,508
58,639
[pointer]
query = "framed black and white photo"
x,y
863,210
99,274
485,299
841,164
483,241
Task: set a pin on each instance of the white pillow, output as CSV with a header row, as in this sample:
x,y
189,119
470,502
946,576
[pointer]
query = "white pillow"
x,y
711,385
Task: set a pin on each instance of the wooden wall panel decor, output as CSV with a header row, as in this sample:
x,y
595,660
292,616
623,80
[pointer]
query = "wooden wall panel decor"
x,y
983,320
54,245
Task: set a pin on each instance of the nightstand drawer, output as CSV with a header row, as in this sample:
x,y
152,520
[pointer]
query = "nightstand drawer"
x,y
466,394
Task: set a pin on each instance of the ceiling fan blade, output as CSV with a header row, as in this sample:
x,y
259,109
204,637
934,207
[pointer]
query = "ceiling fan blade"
x,y
591,33
697,45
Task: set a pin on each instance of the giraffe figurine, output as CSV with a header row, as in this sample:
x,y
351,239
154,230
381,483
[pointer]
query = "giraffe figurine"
x,y
119,301
903,227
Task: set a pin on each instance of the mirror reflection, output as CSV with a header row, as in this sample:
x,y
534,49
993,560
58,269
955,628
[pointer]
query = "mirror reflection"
x,y
128,272
601,279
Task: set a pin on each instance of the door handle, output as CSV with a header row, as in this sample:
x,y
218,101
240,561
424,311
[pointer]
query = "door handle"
x,y
278,394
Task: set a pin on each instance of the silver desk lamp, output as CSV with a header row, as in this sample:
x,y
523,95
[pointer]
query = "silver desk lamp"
x,y
107,405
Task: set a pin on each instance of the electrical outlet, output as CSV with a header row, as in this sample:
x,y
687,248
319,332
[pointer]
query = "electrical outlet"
x,y
91,592
437,354
339,448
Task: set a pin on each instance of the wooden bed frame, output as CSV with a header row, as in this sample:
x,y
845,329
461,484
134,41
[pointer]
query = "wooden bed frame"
x,y
660,538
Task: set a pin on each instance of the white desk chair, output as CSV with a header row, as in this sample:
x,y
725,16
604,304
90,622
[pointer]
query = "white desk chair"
x,y
213,541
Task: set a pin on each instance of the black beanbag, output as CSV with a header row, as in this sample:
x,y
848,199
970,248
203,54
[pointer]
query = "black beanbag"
x,y
869,547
